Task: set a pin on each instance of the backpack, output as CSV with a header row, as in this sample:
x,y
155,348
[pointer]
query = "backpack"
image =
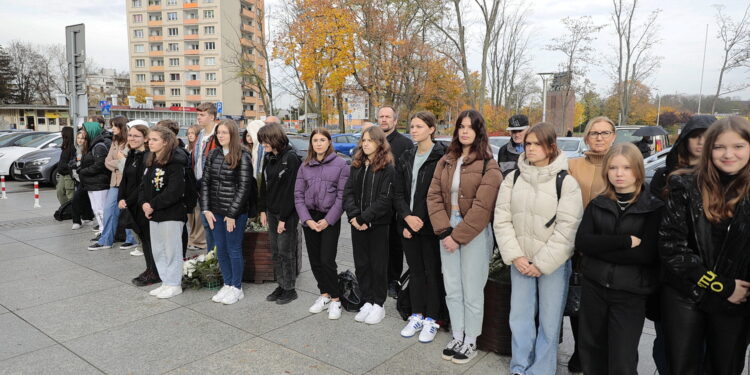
x,y
558,189
65,212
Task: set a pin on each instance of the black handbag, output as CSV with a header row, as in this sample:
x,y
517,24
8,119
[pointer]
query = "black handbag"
x,y
351,296
573,302
403,303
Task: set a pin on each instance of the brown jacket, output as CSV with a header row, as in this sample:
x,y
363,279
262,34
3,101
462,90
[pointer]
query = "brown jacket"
x,y
588,172
476,198
114,161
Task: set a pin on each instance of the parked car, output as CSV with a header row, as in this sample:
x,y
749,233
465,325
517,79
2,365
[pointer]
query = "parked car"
x,y
40,165
573,147
447,141
625,134
301,144
654,162
499,141
20,138
8,155
344,143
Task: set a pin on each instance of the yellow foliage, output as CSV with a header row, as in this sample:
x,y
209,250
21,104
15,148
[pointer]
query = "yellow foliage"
x,y
580,114
140,94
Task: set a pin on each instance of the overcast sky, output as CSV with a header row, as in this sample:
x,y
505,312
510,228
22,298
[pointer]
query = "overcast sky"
x,y
682,31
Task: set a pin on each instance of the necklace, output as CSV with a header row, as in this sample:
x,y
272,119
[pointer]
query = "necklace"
x,y
622,205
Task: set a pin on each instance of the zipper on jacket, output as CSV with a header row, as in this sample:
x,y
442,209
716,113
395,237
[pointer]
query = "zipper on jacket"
x,y
362,193
723,247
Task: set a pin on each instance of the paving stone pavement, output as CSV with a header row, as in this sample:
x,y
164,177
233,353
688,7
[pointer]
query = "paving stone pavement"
x,y
67,310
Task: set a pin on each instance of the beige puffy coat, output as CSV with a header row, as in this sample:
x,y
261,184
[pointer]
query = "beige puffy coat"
x,y
522,210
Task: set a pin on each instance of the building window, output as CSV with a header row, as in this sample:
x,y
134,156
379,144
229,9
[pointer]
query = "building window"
x,y
138,48
208,1
157,77
158,91
211,91
210,46
210,76
157,62
209,30
174,62
174,76
138,33
173,47
137,3
171,2
156,47
192,31
173,31
137,18
176,105
248,93
208,14
154,32
191,15
140,78
194,92
193,61
249,107
154,17
210,61
140,63
154,2
172,16
192,76
174,92
193,46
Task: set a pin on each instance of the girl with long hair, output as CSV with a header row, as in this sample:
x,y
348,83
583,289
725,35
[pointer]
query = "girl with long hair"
x,y
80,206
414,172
160,198
94,174
703,242
368,201
225,191
536,216
318,197
197,238
620,264
65,184
460,200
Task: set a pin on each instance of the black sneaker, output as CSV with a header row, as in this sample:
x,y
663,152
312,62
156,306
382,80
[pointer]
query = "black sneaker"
x,y
286,297
275,294
465,354
574,364
96,246
148,277
96,239
127,246
393,289
450,350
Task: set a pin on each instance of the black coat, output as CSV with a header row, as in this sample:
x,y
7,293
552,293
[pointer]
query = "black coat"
x,y
63,165
399,144
603,238
130,186
507,158
277,184
693,265
368,195
226,191
165,193
402,186
93,173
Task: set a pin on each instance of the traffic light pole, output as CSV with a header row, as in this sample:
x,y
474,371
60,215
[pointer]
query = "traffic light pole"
x,y
75,53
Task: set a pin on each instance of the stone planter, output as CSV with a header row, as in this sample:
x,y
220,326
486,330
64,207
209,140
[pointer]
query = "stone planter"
x,y
496,336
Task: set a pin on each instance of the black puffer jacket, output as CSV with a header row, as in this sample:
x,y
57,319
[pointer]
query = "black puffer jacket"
x,y
696,123
226,191
693,264
93,173
130,186
163,188
368,195
402,186
277,185
603,238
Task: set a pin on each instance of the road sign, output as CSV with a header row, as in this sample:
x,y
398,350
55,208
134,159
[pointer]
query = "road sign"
x,y
219,107
349,117
102,103
107,109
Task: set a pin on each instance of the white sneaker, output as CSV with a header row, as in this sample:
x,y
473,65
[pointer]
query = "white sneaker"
x,y
87,222
363,312
233,295
221,294
429,330
320,304
76,226
334,310
157,290
137,252
169,292
376,315
413,326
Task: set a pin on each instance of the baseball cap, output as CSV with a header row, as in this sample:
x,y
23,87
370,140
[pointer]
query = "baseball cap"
x,y
517,122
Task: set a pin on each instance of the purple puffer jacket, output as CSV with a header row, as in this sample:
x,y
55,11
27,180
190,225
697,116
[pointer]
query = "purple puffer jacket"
x,y
320,187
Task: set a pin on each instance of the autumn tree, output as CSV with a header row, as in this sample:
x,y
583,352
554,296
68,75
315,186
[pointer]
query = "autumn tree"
x,y
7,74
509,75
735,38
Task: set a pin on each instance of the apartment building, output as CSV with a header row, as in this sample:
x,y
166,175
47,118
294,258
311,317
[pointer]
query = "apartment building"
x,y
184,52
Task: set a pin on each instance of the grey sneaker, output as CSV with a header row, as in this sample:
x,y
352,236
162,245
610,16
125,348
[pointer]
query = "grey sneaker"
x,y
451,349
465,354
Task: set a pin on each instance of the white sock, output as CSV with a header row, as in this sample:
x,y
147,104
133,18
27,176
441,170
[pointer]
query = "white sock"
x,y
458,335
470,340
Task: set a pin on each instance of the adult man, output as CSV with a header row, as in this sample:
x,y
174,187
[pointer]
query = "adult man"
x,y
272,120
508,155
206,117
387,118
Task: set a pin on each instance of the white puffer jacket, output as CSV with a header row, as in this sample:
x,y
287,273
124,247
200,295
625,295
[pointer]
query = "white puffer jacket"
x,y
522,210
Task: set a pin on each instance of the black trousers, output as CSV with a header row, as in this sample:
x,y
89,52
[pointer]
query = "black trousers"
x,y
423,258
699,342
141,227
395,252
611,322
321,249
80,206
371,262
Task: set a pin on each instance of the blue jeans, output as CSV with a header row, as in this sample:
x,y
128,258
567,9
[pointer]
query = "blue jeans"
x,y
111,217
229,249
209,233
535,347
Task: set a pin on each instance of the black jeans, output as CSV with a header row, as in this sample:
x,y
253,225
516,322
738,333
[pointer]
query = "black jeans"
x,y
322,248
143,230
611,322
371,262
395,252
699,342
80,206
284,250
423,258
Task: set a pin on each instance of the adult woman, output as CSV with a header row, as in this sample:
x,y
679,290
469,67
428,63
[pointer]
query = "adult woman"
x,y
276,206
368,198
414,172
132,176
80,206
460,199
318,197
161,200
95,176
703,241
536,215
115,162
599,135
197,239
620,260
225,191
65,184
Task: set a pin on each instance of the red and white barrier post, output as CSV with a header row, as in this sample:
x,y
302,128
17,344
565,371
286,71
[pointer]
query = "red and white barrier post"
x,y
2,188
36,194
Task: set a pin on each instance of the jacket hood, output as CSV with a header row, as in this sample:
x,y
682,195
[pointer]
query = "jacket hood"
x,y
103,137
543,173
332,156
92,131
697,122
179,157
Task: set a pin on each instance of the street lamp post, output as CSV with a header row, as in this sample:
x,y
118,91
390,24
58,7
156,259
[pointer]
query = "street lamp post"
x,y
545,77
658,106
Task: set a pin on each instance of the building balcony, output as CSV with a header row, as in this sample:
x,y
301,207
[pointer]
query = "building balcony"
x,y
191,37
190,21
193,52
194,98
155,38
154,8
249,14
189,5
250,100
192,82
157,83
246,42
192,67
248,28
156,68
160,97
154,23
156,53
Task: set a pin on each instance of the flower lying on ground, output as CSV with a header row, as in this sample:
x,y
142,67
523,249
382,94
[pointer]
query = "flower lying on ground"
x,y
201,271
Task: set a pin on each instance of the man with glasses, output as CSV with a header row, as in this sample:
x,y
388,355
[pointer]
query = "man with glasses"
x,y
508,155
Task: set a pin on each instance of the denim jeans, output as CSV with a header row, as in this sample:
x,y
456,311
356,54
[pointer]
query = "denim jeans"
x,y
210,243
166,245
535,346
229,249
465,274
111,218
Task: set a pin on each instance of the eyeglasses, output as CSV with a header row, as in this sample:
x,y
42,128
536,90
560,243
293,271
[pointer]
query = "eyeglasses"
x,y
604,134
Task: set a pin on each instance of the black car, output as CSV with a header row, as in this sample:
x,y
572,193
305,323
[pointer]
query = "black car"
x,y
38,165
